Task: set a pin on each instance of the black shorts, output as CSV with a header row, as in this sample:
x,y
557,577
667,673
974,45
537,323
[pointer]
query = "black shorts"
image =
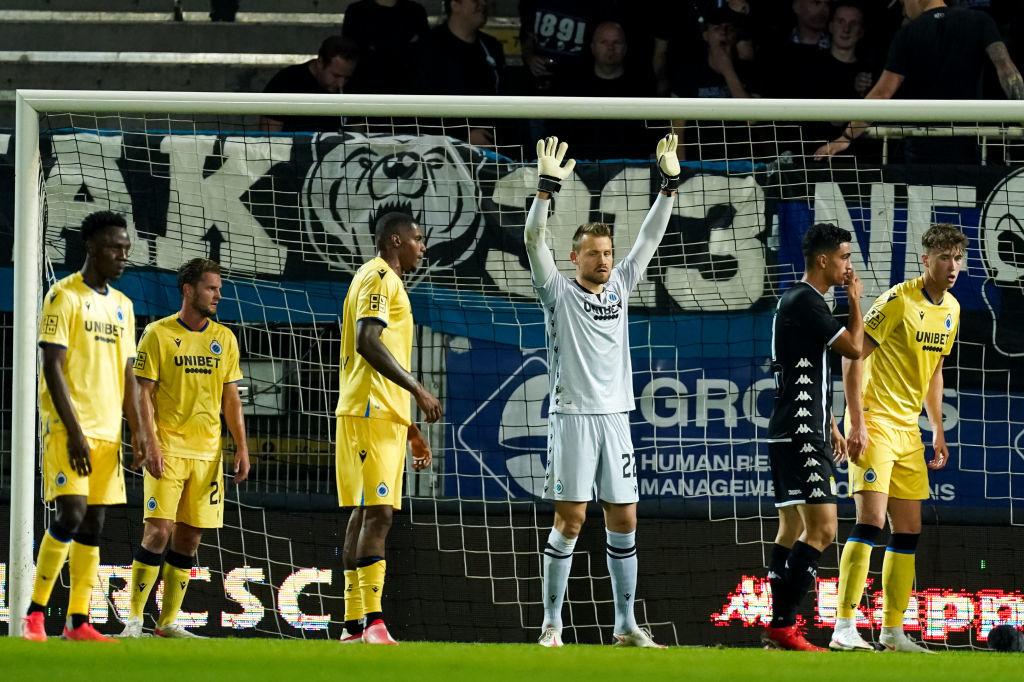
x,y
803,473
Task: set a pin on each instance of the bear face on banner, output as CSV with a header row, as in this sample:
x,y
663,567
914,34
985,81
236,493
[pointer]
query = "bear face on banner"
x,y
357,179
1002,247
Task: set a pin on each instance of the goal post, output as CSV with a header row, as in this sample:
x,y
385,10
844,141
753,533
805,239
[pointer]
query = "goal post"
x,y
495,549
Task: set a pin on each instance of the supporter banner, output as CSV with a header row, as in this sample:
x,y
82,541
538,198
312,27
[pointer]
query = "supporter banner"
x,y
275,210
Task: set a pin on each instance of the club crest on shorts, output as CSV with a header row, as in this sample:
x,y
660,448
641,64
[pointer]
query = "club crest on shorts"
x,y
382,489
61,479
558,487
151,504
215,347
870,476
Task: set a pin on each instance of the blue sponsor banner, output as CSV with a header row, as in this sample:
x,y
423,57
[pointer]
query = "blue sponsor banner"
x,y
697,429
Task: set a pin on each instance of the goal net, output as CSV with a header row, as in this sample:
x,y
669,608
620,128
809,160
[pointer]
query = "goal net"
x,y
289,218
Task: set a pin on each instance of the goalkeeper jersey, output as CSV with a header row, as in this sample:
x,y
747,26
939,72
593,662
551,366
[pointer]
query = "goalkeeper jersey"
x,y
98,331
190,369
913,334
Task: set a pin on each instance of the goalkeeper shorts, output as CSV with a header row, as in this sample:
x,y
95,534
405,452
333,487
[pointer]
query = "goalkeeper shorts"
x,y
588,452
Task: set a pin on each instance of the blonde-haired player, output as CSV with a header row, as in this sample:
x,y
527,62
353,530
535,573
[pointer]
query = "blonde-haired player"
x,y
87,344
188,370
907,333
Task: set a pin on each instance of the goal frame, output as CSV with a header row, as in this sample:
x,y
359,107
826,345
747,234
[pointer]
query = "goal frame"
x,y
28,252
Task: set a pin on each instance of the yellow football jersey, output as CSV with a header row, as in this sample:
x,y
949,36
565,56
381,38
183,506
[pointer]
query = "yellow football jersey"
x,y
912,334
98,331
190,369
375,292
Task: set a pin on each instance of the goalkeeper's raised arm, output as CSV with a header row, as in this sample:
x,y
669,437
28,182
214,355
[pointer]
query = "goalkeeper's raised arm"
x,y
653,228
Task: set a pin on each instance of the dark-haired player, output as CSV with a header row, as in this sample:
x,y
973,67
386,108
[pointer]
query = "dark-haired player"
x,y
188,370
908,331
591,386
87,342
803,437
374,420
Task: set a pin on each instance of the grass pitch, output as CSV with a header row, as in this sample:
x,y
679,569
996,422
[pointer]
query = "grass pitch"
x,y
154,660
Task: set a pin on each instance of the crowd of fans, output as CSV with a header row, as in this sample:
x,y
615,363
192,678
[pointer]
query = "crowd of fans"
x,y
672,48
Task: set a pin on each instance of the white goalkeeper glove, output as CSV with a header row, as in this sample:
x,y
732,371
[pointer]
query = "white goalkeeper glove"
x,y
550,170
668,162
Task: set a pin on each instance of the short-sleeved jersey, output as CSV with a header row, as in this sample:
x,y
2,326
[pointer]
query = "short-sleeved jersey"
x,y
98,331
802,331
912,334
190,369
376,292
942,53
590,370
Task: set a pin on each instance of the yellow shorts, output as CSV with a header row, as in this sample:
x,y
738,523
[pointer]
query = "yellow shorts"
x,y
190,491
370,457
892,464
105,485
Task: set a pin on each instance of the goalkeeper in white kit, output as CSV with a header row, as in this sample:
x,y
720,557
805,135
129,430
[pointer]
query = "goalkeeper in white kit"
x,y
591,387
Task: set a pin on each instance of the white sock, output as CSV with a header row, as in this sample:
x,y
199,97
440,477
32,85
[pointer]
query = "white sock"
x,y
557,564
896,631
846,623
622,568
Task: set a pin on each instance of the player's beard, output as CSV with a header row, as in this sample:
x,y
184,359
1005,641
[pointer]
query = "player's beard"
x,y
205,311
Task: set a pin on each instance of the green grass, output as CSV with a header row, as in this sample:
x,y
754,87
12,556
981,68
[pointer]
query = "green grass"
x,y
153,660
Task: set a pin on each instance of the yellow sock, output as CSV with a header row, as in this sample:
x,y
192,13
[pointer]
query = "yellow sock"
x,y
897,583
176,573
353,597
371,585
853,574
49,562
144,577
84,563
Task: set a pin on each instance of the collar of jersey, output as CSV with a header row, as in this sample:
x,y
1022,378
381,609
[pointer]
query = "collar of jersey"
x,y
197,331
588,291
91,288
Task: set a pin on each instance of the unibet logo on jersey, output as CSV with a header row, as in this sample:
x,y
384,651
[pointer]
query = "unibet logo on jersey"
x,y
190,369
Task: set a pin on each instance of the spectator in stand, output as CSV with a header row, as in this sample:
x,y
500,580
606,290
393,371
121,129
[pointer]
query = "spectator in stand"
x,y
717,73
459,59
677,40
606,76
811,23
387,33
553,35
327,74
940,54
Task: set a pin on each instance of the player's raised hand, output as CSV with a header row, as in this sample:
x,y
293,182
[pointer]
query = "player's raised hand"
x,y
831,148
78,454
941,458
421,455
550,170
668,162
429,405
241,466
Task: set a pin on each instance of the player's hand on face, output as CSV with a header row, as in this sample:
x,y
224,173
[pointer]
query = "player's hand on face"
x,y
857,442
429,405
854,287
241,466
941,458
155,461
78,454
831,149
421,455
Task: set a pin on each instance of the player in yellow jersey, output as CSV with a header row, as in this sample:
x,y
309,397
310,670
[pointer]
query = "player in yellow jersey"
x,y
87,342
907,333
374,421
188,372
